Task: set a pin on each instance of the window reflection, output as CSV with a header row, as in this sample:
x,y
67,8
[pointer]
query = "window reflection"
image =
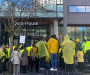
x,y
72,8
75,32
81,8
87,8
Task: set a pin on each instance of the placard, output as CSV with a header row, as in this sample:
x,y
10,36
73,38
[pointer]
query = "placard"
x,y
22,39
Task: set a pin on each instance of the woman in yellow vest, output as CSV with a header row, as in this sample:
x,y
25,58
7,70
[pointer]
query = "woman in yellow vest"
x,y
2,57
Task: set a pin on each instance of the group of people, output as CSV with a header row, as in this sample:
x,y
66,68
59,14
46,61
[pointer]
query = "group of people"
x,y
46,54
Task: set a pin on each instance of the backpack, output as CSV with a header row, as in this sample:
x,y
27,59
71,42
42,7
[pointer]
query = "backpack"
x,y
33,56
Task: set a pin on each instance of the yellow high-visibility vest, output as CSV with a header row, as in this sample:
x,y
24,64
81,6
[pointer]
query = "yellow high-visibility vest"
x,y
9,51
21,51
28,49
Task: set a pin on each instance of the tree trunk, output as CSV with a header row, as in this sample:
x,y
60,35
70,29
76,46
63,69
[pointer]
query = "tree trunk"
x,y
11,50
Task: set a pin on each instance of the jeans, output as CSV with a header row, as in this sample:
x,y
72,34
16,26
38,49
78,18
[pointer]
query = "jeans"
x,y
42,62
54,60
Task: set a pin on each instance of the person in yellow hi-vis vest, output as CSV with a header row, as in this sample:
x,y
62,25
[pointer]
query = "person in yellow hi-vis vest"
x,y
21,51
9,51
28,49
85,37
87,51
6,57
2,59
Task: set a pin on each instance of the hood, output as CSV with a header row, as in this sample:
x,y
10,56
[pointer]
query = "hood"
x,y
77,40
52,39
66,37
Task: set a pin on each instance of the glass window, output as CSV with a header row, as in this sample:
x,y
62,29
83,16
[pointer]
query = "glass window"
x,y
87,8
81,8
59,1
59,7
72,8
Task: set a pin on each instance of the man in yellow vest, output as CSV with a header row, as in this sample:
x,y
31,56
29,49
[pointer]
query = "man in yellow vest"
x,y
21,51
87,50
28,48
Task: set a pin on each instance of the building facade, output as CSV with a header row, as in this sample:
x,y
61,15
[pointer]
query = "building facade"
x,y
78,16
49,17
44,16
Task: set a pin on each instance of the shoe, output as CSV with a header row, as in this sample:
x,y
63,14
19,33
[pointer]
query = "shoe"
x,y
55,69
13,73
52,69
43,68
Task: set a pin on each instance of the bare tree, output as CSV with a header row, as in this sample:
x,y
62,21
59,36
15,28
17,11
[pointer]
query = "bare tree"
x,y
15,11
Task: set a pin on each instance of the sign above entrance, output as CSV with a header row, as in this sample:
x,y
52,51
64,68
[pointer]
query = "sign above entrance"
x,y
22,39
26,23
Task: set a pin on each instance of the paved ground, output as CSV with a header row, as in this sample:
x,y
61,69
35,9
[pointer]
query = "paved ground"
x,y
35,73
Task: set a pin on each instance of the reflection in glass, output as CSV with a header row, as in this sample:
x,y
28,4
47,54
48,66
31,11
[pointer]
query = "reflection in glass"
x,y
72,8
87,8
74,33
59,7
36,8
81,8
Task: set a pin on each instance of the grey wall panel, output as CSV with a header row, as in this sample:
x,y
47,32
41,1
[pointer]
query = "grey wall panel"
x,y
77,18
87,1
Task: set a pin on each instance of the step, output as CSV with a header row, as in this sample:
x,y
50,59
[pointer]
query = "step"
x,y
48,72
86,71
86,67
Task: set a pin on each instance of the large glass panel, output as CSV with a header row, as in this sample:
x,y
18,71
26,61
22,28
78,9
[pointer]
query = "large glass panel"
x,y
72,8
81,8
59,7
33,8
87,8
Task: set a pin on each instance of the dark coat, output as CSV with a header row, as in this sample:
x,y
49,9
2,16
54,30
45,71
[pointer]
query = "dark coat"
x,y
24,58
78,45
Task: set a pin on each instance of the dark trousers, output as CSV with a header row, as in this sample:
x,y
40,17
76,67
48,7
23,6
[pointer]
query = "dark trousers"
x,y
24,69
29,62
34,63
80,66
42,62
69,67
6,60
88,58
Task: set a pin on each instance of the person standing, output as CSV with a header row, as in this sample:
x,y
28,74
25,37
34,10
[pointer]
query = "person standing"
x,y
78,45
33,57
42,52
2,58
68,53
24,59
16,61
53,49
80,59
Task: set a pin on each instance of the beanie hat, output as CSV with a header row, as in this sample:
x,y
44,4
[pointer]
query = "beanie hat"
x,y
77,40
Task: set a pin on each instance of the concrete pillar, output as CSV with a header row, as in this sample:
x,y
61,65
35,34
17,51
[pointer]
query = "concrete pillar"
x,y
51,30
56,27
64,17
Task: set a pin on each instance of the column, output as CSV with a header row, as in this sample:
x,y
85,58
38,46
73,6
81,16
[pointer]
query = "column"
x,y
64,17
56,27
0,32
51,29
